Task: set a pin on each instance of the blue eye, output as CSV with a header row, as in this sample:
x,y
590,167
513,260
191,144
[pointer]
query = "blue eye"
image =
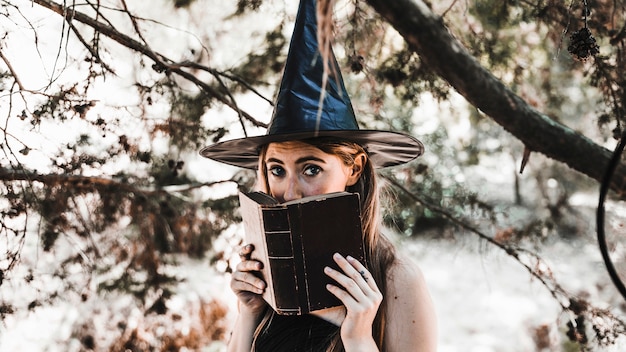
x,y
312,170
277,171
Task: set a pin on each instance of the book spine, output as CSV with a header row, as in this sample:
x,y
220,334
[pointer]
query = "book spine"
x,y
300,269
280,258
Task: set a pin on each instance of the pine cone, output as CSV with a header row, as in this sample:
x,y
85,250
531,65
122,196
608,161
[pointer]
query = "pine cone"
x,y
582,44
356,63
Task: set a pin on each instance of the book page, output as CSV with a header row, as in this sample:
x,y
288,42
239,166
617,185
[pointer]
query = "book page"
x,y
262,198
316,197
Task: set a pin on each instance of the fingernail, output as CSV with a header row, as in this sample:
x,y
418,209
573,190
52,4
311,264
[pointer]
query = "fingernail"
x,y
337,255
350,258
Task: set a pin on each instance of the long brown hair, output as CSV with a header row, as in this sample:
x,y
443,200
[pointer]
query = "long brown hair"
x,y
379,250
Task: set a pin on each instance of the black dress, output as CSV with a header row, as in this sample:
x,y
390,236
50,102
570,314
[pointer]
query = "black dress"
x,y
305,333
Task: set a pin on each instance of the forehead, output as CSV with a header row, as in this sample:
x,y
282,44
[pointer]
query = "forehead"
x,y
292,150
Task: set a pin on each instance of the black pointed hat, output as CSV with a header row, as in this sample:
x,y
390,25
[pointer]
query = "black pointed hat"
x,y
297,114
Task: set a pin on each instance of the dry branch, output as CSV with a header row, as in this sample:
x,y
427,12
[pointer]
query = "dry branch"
x,y
93,182
70,14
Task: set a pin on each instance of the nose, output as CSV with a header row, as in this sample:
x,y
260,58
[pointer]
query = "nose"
x,y
292,189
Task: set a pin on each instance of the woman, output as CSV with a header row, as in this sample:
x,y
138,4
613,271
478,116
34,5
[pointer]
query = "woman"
x,y
311,150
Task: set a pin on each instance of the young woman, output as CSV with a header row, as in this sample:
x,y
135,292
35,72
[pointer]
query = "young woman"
x,y
315,148
387,308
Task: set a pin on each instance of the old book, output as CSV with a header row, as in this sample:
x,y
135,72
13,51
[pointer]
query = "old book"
x,y
296,240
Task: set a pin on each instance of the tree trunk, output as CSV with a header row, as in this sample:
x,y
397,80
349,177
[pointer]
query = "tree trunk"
x,y
427,36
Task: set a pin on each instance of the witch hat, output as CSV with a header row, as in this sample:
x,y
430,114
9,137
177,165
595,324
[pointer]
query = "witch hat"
x,y
297,114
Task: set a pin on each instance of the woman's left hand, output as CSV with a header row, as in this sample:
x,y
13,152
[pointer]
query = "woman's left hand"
x,y
361,297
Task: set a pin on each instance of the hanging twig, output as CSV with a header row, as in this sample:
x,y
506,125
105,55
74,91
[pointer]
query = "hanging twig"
x,y
617,154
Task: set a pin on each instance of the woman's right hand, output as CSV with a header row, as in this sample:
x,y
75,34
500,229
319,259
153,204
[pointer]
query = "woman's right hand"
x,y
246,284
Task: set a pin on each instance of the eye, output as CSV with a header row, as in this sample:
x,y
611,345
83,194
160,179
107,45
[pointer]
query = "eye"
x,y
312,170
276,170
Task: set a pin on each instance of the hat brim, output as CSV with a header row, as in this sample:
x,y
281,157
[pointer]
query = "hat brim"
x,y
384,148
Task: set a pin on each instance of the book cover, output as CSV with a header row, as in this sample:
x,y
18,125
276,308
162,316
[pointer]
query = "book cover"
x,y
295,240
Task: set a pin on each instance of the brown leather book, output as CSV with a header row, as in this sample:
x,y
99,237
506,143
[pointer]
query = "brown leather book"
x,y
296,240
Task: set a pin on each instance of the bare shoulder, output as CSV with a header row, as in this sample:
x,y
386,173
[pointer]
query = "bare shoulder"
x,y
405,272
411,318
406,287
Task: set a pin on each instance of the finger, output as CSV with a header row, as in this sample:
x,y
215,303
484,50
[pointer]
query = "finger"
x,y
245,272
245,251
356,271
351,287
363,272
240,286
343,296
249,265
345,288
246,281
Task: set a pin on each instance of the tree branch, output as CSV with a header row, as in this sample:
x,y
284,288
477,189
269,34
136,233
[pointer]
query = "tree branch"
x,y
547,281
145,50
93,182
427,36
532,262
13,73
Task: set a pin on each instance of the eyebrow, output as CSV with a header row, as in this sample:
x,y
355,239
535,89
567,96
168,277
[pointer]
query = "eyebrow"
x,y
299,161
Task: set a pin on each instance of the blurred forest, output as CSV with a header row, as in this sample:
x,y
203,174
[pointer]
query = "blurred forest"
x,y
105,104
